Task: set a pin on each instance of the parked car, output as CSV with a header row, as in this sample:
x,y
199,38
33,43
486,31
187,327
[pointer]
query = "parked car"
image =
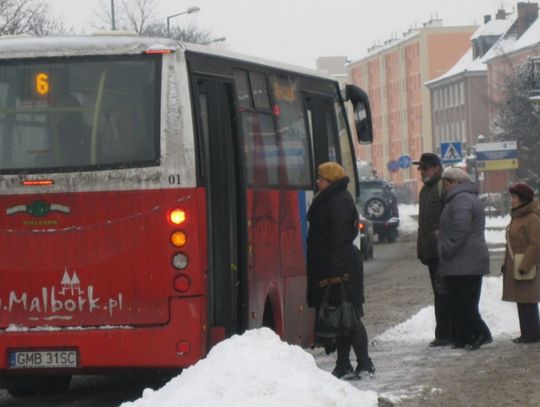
x,y
379,204
367,236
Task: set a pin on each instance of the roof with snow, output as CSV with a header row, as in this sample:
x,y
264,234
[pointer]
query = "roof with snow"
x,y
467,64
530,38
492,28
121,43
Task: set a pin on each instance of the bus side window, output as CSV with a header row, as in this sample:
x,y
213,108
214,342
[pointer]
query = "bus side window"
x,y
259,135
322,129
293,141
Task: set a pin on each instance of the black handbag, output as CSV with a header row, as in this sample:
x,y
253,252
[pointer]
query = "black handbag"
x,y
333,321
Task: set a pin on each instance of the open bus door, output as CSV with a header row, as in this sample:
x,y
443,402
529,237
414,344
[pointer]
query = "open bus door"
x,y
226,191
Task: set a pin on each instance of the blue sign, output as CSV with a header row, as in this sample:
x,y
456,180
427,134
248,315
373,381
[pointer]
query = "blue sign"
x,y
393,166
451,152
404,162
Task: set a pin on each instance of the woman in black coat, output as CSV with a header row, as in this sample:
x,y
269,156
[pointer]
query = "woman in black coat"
x,y
332,258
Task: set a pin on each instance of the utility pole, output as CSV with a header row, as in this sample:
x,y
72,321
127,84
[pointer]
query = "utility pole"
x,y
112,16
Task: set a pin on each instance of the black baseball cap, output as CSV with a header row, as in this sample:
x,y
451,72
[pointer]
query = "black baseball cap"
x,y
428,160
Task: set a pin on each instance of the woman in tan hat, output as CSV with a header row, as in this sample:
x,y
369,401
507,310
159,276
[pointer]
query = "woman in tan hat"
x,y
333,260
523,236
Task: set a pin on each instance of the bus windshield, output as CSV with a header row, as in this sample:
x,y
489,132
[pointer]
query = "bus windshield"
x,y
67,114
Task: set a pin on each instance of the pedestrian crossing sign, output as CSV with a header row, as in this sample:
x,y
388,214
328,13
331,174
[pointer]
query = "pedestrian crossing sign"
x,y
451,152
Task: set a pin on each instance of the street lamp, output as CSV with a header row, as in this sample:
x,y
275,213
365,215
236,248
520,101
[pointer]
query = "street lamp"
x,y
113,23
188,11
220,39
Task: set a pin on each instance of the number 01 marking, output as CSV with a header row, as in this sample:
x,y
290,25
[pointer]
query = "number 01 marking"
x,y
174,179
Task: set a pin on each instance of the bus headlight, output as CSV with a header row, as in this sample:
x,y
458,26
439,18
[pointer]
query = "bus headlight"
x,y
180,261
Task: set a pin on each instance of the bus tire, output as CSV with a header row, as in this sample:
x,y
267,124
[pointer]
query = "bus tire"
x,y
23,386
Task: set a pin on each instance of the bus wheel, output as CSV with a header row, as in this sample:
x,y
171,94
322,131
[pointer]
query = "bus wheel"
x,y
268,316
21,386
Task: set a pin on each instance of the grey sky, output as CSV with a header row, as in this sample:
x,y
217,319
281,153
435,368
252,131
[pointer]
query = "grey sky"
x,y
299,31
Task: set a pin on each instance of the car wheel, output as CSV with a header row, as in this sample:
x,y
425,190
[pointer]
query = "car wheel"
x,y
375,208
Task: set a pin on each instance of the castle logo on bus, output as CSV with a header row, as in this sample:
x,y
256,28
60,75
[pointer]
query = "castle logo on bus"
x,y
62,302
38,209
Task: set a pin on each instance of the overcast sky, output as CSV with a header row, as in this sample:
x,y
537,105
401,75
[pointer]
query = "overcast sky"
x,y
299,31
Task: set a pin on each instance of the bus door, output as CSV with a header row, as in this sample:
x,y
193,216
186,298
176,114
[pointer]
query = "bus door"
x,y
322,126
221,171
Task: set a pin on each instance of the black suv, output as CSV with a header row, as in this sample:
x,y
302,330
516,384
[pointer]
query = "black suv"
x,y
379,204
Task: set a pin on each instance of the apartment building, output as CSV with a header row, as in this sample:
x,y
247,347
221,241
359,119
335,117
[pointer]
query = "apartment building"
x,y
460,97
394,73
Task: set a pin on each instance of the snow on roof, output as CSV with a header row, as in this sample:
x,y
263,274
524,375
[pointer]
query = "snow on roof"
x,y
493,27
467,63
530,37
114,43
464,65
225,53
26,46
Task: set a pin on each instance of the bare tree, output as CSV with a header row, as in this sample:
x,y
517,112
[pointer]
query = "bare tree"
x,y
189,33
139,16
518,119
27,17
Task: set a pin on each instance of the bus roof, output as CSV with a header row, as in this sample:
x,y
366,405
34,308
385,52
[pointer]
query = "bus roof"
x,y
111,43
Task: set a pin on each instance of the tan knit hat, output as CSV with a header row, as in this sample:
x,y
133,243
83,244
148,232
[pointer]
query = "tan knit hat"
x,y
331,171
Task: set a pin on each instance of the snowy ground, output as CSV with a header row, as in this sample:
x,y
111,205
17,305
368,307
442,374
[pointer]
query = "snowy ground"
x,y
258,369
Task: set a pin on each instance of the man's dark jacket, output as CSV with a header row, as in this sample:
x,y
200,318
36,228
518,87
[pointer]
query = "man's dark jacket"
x,y
333,226
430,208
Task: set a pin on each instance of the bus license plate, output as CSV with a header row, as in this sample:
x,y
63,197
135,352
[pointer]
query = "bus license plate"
x,y
42,359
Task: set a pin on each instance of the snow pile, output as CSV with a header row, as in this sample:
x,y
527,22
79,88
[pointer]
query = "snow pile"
x,y
408,223
494,233
256,369
500,317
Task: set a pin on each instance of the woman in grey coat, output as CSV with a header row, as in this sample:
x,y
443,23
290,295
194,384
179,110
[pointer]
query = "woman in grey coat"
x,y
464,256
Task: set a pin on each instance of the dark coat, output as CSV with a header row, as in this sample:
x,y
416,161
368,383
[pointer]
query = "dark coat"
x,y
523,234
429,213
333,226
462,247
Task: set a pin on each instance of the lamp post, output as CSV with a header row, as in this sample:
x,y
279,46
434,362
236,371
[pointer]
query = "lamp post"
x,y
220,39
188,11
113,24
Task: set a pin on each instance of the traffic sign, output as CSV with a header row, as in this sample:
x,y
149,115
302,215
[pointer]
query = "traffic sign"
x,y
496,156
404,162
451,152
393,166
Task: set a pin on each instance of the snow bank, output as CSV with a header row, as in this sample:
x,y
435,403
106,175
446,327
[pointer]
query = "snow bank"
x,y
408,215
500,317
256,369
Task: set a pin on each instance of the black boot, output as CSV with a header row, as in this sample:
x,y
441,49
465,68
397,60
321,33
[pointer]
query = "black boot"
x,y
342,371
367,366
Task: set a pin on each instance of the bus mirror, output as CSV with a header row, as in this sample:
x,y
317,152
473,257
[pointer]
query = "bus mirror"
x,y
362,113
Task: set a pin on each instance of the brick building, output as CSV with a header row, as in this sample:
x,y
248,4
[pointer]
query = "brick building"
x,y
394,74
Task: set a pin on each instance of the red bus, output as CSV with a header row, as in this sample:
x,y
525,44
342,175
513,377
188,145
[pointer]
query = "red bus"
x,y
153,200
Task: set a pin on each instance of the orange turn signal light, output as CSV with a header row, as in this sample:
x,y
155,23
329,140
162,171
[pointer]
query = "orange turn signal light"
x,y
178,239
177,216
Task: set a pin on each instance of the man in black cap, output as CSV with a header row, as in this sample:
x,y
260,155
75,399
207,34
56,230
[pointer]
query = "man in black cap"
x,y
430,208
